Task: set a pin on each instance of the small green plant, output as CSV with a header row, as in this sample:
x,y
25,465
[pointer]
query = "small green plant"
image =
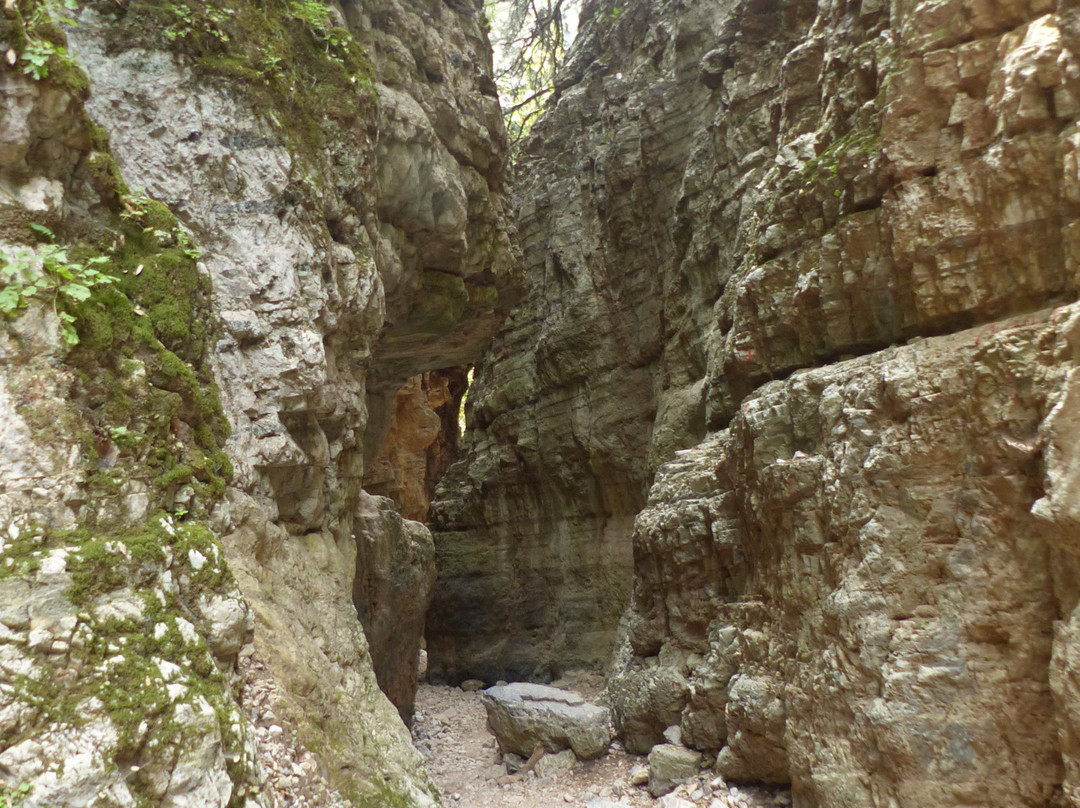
x,y
39,50
316,15
206,20
11,797
270,64
122,436
47,273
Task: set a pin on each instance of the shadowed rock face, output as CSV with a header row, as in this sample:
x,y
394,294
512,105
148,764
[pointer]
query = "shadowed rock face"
x,y
854,569
534,523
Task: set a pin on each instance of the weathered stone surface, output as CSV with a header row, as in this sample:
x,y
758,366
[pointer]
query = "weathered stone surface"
x,y
522,715
97,678
908,476
556,765
671,801
338,269
817,248
669,765
395,571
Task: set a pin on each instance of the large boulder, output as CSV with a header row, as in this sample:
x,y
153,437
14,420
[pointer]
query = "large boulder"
x,y
522,715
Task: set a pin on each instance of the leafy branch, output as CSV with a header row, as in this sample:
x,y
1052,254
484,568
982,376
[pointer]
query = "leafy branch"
x,y
530,39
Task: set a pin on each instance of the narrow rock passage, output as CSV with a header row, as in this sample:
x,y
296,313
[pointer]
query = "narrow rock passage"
x,y
450,729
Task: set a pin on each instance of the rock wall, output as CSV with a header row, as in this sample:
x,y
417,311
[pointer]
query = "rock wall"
x,y
533,525
854,228
303,207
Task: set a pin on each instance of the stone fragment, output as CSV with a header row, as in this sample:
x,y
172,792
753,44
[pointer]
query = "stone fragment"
x,y
227,623
671,801
673,734
522,715
512,762
14,594
472,685
639,775
556,764
670,765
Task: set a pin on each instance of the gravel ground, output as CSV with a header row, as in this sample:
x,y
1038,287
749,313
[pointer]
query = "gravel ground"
x,y
450,729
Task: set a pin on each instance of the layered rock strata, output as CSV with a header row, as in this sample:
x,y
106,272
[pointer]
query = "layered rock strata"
x,y
861,575
335,175
533,525
854,573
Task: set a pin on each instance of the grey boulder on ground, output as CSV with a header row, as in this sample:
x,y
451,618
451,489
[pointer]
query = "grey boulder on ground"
x,y
670,765
522,715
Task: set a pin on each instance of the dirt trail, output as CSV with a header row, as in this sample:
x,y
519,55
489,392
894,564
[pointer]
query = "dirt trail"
x,y
450,729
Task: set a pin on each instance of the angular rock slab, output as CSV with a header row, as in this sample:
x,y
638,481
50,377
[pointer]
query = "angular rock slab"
x,y
669,765
522,715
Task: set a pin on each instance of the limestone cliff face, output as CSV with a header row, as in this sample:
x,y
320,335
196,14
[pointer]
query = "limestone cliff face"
x,y
335,176
854,572
534,524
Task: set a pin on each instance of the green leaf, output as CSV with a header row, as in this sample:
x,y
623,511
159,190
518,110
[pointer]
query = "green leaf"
x,y
43,230
68,332
9,300
76,291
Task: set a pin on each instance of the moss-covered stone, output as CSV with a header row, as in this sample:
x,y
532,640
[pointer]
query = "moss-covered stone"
x,y
287,58
119,666
142,351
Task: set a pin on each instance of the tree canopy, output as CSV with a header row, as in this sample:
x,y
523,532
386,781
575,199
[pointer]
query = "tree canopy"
x,y
530,39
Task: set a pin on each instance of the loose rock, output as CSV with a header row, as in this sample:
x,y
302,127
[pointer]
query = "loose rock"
x,y
523,714
670,765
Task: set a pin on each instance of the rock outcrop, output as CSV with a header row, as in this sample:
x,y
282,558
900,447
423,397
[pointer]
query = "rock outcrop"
x,y
806,269
303,208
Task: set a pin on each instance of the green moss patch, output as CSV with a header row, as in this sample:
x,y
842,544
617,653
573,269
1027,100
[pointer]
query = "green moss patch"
x,y
141,359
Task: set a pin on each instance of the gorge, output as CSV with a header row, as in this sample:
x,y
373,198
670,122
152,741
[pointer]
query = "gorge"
x,y
773,419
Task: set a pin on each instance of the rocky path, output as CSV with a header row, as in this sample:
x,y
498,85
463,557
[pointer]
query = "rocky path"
x,y
463,758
